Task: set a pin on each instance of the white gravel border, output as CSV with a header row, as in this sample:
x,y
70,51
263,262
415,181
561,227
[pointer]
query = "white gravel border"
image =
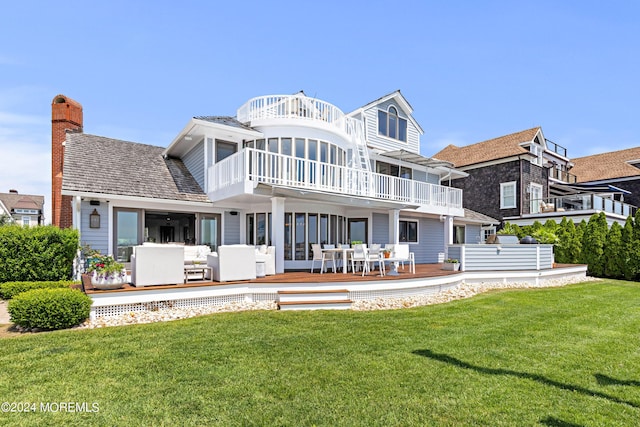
x,y
458,292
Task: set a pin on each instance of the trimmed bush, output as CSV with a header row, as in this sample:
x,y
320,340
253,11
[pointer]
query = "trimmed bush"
x,y
11,289
43,253
49,308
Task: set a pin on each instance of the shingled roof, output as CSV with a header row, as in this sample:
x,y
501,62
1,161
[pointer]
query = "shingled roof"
x,y
607,165
224,120
97,164
492,149
21,201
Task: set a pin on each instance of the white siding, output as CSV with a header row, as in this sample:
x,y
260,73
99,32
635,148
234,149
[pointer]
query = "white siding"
x,y
388,144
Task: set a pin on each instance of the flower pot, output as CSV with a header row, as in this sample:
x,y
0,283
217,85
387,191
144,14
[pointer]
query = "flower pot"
x,y
387,254
451,266
102,282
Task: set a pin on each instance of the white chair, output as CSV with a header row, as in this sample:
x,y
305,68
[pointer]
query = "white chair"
x,y
233,262
374,252
323,257
335,255
359,256
402,254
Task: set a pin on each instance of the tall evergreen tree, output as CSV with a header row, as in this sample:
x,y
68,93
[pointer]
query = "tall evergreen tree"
x,y
574,242
614,257
593,244
581,228
560,249
628,250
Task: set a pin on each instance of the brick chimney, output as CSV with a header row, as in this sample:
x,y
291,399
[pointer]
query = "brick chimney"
x,y
66,115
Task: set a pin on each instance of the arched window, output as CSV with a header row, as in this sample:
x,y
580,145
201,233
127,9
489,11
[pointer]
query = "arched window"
x,y
391,125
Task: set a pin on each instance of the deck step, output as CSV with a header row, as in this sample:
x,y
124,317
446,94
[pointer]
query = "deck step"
x,y
328,299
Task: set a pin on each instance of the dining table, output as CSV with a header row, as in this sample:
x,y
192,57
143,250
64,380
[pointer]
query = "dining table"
x,y
343,252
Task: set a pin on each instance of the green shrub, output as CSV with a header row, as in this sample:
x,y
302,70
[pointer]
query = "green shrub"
x,y
9,290
36,253
49,308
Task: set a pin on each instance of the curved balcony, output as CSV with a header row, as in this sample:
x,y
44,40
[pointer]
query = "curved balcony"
x,y
293,107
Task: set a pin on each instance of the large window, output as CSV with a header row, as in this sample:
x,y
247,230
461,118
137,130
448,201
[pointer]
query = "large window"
x,y
392,125
408,231
508,195
358,229
224,149
393,170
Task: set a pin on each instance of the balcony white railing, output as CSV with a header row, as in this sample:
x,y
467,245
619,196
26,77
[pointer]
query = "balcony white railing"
x,y
291,107
286,171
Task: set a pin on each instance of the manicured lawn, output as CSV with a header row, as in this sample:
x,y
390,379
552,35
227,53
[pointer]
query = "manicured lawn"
x,y
557,357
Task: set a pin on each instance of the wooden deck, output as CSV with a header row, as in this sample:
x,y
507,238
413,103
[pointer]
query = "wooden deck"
x,y
422,271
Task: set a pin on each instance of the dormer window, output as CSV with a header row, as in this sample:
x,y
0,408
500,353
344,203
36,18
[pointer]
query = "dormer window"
x,y
536,150
391,125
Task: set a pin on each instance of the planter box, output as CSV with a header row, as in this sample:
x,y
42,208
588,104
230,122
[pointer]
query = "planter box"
x,y
451,266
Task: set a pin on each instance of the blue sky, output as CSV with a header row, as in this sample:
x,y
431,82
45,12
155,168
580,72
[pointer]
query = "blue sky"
x,y
472,70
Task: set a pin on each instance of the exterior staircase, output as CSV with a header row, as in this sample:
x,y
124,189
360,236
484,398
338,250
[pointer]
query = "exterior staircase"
x,y
330,299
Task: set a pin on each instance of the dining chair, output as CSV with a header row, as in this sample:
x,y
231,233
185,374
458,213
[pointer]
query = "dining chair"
x,y
323,257
359,256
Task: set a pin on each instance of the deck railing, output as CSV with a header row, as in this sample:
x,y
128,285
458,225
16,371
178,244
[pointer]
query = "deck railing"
x,y
556,148
290,106
261,166
582,202
563,176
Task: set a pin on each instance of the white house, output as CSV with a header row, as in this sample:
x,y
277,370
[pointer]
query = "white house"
x,y
287,170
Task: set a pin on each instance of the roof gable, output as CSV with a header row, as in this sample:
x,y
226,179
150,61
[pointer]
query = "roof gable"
x,y
616,164
486,151
399,99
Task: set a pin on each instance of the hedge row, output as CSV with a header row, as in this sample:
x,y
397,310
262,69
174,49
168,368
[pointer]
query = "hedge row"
x,y
608,251
36,253
9,290
49,308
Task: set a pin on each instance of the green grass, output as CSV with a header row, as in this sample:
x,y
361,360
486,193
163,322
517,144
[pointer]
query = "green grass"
x,y
556,357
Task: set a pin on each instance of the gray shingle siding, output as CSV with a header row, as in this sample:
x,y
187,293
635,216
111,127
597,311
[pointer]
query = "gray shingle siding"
x,y
231,230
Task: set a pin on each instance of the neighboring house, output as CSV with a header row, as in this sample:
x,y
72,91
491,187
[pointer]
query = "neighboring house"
x,y
619,171
523,177
23,209
287,170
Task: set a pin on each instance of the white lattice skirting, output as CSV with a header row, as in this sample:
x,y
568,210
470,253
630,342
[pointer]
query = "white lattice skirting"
x,y
118,303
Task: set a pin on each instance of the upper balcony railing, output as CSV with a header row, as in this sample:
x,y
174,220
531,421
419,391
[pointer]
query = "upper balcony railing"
x,y
582,202
296,173
291,107
563,176
558,149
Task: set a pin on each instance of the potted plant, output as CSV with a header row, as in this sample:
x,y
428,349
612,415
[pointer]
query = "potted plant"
x,y
386,253
106,273
451,264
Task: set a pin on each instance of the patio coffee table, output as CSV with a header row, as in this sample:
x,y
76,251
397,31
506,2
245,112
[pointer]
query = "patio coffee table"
x,y
197,272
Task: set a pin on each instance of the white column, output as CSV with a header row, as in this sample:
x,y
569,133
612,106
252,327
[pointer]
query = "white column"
x,y
448,234
277,234
394,226
76,209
